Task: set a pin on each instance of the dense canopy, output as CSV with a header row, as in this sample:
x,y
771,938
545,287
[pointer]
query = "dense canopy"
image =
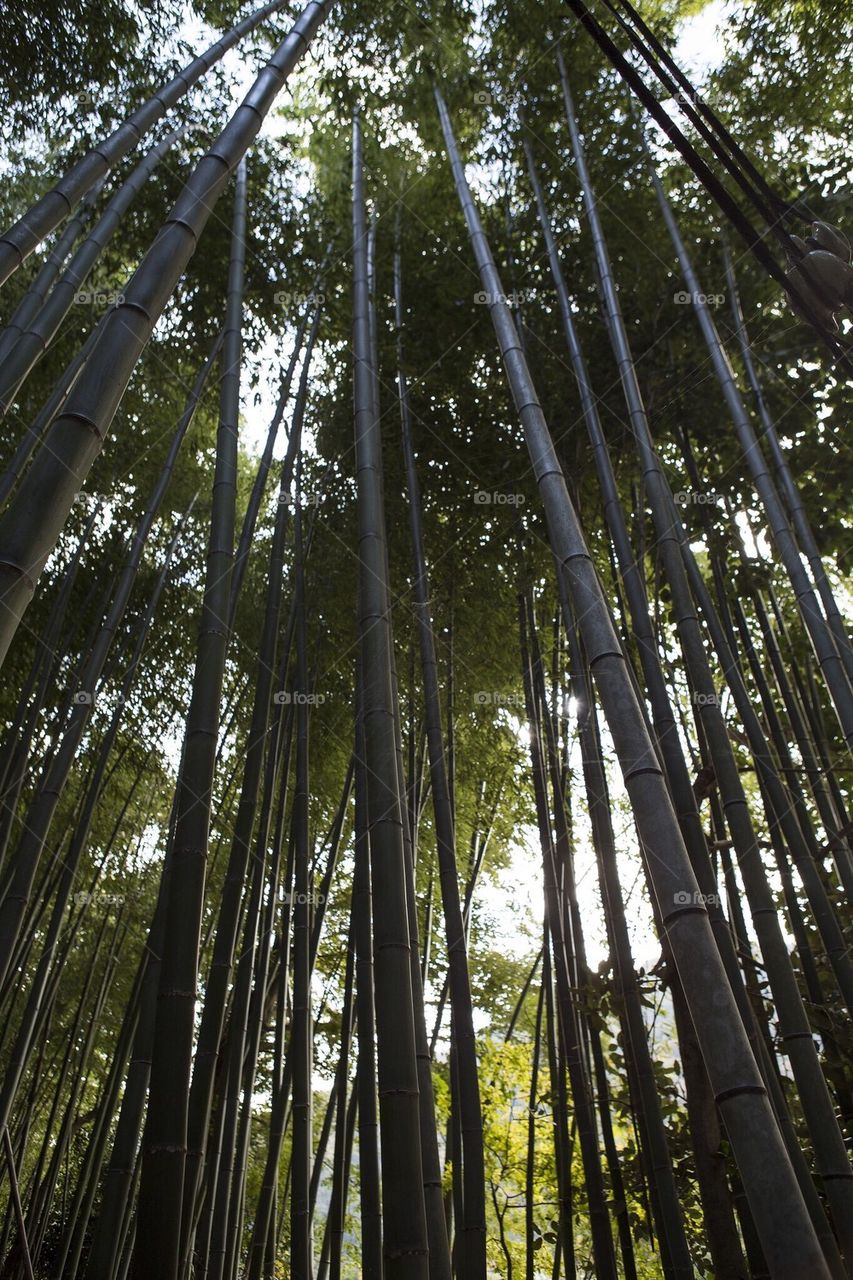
x,y
427,696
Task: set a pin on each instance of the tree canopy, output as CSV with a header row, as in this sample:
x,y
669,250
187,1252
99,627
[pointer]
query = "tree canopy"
x,y
424,820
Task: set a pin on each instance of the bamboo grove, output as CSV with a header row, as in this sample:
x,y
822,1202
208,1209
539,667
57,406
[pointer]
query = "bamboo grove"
x,y
425,850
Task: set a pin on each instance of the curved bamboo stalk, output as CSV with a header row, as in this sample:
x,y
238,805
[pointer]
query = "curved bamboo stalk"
x,y
39,330
35,517
472,1225
46,414
780,1213
786,480
404,1217
685,578
828,657
156,1253
256,748
33,299
665,724
43,807
19,241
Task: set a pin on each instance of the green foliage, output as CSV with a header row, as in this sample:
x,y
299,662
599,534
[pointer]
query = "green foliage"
x,y
773,90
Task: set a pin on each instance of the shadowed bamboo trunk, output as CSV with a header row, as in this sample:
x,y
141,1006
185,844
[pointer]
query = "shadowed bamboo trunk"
x,y
472,1226
301,1245
684,578
665,724
565,1248
18,740
532,1112
44,325
35,1010
18,242
43,807
216,990
404,1219
563,957
158,1233
34,519
675,1257
280,1113
829,659
256,1000
39,425
780,1213
34,298
365,1082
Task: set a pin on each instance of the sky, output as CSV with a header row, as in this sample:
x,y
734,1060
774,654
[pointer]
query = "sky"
x,y
516,894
